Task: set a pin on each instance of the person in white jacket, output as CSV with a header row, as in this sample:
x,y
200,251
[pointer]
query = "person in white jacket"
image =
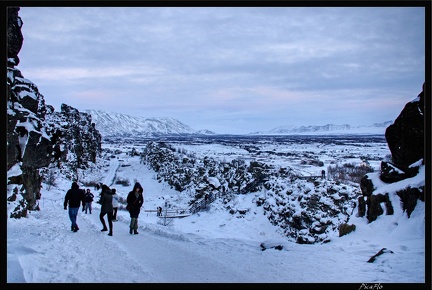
x,y
115,203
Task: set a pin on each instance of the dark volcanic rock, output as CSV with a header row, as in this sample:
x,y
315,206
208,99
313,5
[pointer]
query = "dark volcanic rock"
x,y
405,137
36,135
14,36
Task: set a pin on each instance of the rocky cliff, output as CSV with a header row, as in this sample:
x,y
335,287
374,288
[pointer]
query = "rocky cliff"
x,y
406,141
37,136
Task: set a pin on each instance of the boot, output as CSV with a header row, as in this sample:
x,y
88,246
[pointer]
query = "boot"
x,y
104,229
110,234
135,232
130,231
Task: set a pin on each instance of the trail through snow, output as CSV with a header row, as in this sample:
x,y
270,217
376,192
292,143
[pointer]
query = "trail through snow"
x,y
206,247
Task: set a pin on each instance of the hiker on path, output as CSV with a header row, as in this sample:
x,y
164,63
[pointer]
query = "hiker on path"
x,y
106,209
135,200
115,203
323,174
74,197
88,201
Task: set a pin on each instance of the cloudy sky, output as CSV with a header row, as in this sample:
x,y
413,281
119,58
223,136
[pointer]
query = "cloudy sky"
x,y
228,69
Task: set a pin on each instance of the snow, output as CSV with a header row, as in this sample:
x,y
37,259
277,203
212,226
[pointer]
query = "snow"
x,y
14,171
211,246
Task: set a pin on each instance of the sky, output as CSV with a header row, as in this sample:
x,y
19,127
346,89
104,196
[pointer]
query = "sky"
x,y
228,69
211,246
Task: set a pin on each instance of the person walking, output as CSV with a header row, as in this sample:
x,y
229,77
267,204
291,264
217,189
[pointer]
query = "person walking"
x,y
115,203
88,199
74,197
106,209
206,196
135,200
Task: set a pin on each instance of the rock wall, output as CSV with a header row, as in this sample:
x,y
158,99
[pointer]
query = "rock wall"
x,y
37,136
405,139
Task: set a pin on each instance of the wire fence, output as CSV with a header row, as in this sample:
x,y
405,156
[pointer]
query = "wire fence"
x,y
50,201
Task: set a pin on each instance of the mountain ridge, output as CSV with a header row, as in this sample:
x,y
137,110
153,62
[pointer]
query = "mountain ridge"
x,y
116,124
376,128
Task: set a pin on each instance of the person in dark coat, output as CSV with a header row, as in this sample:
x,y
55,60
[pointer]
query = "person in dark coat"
x,y
74,197
89,199
106,209
323,174
135,200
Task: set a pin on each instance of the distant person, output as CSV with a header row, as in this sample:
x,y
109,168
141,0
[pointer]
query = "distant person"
x,y
74,197
159,211
38,197
206,196
323,174
115,203
135,200
89,196
106,209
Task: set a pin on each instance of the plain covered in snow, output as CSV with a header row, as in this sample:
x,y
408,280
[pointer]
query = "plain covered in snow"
x,y
211,246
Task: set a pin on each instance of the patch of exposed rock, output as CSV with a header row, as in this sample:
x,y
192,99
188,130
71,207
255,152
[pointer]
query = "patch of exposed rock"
x,y
405,139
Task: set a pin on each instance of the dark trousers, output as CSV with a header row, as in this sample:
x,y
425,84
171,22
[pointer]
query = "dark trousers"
x,y
110,218
115,213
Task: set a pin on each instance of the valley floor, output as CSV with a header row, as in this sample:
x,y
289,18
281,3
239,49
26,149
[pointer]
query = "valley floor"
x,y
209,247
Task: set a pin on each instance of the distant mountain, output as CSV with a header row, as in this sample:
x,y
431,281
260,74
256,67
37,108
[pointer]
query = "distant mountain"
x,y
205,132
115,124
122,125
376,128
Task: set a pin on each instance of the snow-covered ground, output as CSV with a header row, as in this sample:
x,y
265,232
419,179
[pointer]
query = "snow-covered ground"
x,y
211,246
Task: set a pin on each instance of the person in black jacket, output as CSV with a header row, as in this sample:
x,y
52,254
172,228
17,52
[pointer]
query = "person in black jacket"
x,y
135,200
75,197
89,199
106,209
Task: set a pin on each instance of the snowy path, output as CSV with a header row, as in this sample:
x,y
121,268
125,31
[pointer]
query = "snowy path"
x,y
42,249
160,254
142,252
114,165
154,254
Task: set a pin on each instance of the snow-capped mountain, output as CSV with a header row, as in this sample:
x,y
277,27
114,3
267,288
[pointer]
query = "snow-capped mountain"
x,y
376,128
115,124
